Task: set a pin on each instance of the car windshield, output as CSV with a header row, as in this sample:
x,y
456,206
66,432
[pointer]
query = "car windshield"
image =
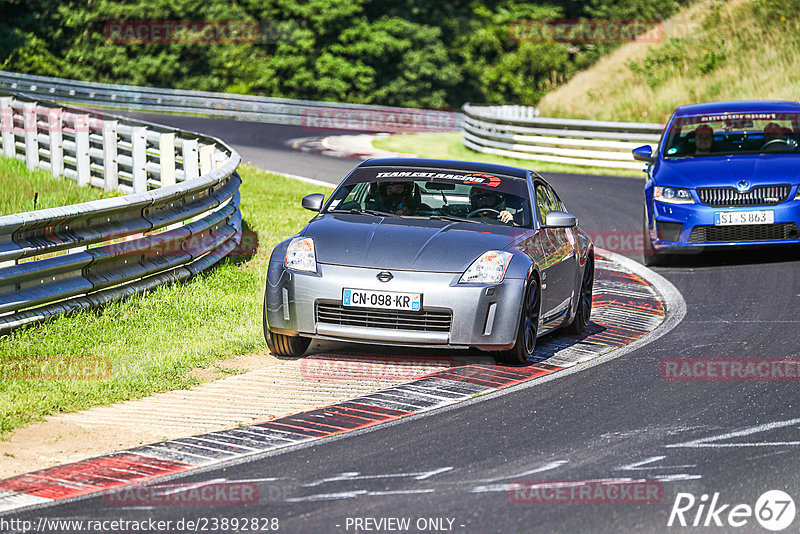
x,y
468,197
733,133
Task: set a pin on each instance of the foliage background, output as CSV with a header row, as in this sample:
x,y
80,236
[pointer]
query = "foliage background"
x,y
392,52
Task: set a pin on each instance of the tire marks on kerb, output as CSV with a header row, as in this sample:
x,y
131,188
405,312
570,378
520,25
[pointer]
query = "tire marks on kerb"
x,y
625,308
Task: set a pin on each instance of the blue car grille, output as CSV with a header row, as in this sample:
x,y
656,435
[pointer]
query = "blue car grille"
x,y
762,195
744,232
424,321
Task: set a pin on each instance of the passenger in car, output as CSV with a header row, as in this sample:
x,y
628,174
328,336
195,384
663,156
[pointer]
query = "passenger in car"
x,y
399,197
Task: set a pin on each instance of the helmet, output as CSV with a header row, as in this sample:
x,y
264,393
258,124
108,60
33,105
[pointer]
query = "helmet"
x,y
480,197
393,199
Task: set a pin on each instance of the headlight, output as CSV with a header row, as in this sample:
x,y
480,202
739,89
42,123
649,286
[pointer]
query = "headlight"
x,y
797,195
673,195
300,255
489,268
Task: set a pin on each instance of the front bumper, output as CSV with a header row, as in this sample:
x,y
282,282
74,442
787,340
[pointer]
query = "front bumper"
x,y
483,316
697,229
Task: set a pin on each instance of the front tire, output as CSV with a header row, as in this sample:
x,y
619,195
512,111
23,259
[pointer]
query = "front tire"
x,y
281,344
652,257
584,310
528,328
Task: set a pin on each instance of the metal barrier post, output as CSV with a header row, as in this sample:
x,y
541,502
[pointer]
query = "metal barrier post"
x,y
110,167
7,116
54,130
31,131
206,153
82,160
166,156
139,158
191,168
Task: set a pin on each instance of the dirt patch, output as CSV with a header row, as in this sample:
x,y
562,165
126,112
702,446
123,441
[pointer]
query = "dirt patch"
x,y
236,365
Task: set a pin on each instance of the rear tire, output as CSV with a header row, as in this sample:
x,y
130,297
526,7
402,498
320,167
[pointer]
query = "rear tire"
x,y
528,327
281,344
584,311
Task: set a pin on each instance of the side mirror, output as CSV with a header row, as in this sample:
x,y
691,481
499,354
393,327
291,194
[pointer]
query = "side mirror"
x,y
560,219
644,153
313,201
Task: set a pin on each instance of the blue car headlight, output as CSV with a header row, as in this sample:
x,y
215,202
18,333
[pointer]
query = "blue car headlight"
x,y
673,195
489,268
797,195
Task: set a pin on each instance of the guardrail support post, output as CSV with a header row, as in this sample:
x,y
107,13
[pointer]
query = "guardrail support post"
x,y
191,168
7,117
55,129
166,155
139,158
31,131
206,153
110,167
82,161
219,158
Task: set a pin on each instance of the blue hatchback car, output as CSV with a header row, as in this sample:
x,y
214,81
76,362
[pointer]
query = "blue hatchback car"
x,y
724,174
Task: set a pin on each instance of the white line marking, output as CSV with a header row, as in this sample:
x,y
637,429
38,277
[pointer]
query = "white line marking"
x,y
490,488
400,492
708,442
676,478
11,501
311,181
328,496
637,466
540,469
355,475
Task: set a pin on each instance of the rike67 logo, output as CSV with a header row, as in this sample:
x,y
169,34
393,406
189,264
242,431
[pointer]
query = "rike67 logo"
x,y
774,510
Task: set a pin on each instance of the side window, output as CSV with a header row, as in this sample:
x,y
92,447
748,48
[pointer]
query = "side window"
x,y
557,204
544,201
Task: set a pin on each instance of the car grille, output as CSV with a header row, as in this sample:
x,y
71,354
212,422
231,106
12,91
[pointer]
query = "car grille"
x,y
762,195
424,321
744,232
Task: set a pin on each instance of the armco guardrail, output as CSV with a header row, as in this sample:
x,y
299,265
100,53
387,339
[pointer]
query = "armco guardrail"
x,y
180,214
307,113
516,132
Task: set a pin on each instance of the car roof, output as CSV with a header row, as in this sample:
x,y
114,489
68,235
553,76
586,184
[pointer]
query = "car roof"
x,y
445,164
738,106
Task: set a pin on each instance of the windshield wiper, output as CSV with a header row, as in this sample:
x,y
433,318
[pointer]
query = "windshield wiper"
x,y
452,218
360,211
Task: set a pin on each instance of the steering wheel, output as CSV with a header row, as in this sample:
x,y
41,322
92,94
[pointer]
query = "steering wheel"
x,y
478,212
776,144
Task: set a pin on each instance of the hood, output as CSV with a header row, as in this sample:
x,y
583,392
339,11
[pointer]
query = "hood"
x,y
716,171
402,243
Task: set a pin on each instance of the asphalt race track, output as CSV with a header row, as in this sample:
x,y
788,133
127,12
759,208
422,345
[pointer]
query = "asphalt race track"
x,y
619,421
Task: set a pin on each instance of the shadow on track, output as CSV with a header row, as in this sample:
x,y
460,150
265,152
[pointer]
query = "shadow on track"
x,y
717,256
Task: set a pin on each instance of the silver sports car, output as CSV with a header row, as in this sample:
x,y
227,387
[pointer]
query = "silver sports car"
x,y
432,253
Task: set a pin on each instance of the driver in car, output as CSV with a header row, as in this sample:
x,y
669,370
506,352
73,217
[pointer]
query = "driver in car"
x,y
486,199
772,131
398,197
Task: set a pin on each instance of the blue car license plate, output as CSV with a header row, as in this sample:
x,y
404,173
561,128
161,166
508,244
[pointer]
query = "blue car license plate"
x,y
730,218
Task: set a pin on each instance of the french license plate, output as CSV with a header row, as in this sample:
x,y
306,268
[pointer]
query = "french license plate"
x,y
387,300
728,218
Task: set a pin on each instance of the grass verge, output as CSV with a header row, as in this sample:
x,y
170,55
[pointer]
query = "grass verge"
x,y
150,342
712,50
24,190
449,146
